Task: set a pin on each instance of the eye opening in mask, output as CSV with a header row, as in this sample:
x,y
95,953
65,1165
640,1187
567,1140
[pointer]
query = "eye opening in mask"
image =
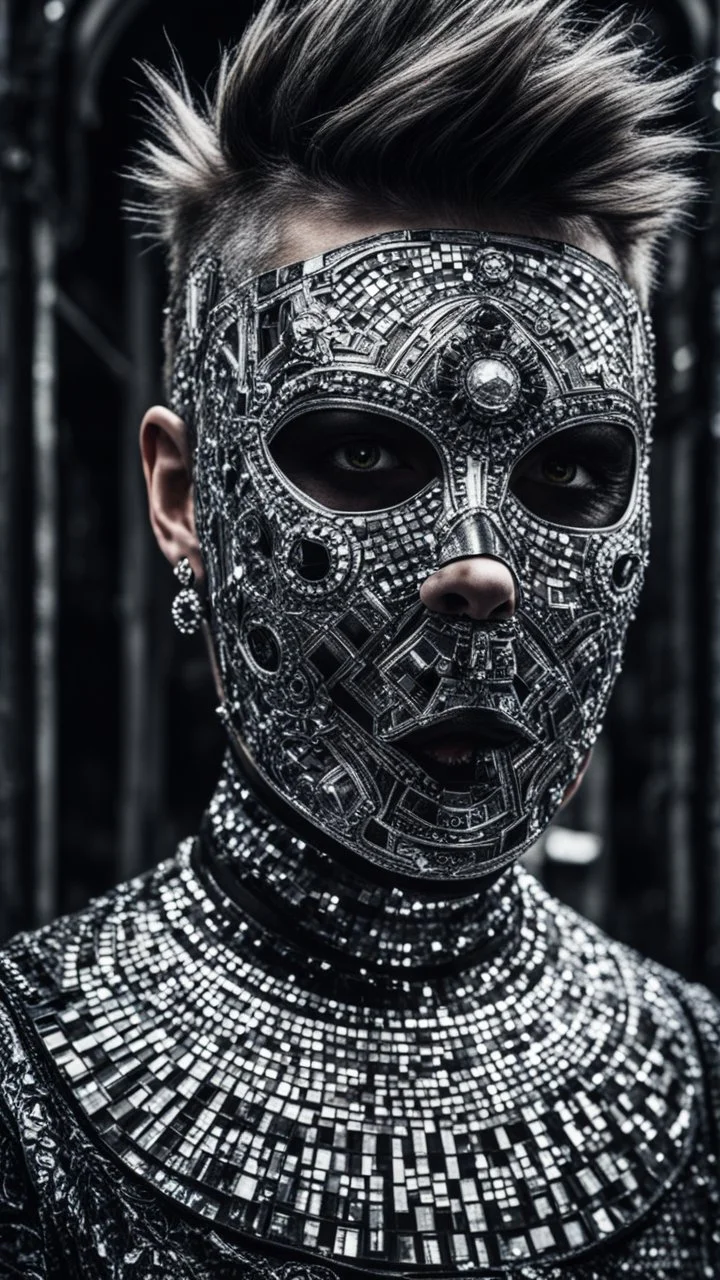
x,y
579,477
353,458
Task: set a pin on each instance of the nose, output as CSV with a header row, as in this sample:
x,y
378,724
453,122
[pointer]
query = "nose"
x,y
479,587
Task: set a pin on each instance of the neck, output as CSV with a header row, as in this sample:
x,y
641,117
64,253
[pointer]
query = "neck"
x,y
315,904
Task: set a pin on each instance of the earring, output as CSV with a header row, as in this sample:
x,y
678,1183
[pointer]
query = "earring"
x,y
187,607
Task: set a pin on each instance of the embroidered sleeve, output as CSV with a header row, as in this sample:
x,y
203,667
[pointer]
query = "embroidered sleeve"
x,y
22,1250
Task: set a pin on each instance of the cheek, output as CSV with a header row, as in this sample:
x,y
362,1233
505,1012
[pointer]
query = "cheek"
x,y
551,564
577,782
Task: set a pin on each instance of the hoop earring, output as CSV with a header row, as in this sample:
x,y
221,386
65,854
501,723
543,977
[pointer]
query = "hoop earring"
x,y
188,612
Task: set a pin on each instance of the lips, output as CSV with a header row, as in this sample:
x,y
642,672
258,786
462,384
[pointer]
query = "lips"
x,y
452,747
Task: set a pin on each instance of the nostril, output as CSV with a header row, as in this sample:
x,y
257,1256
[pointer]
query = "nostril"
x,y
453,603
504,610
479,587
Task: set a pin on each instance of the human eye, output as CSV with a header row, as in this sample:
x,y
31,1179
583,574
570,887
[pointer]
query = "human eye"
x,y
354,460
363,456
580,477
561,470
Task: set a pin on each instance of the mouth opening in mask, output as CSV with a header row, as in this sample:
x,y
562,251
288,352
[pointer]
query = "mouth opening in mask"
x,y
451,749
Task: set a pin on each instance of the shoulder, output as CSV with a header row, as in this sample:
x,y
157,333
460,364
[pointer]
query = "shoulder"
x,y
701,1008
33,962
39,975
653,987
14,1062
701,1004
703,1011
40,995
666,993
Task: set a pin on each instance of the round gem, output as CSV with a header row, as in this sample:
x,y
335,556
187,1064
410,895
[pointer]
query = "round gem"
x,y
264,648
492,384
625,570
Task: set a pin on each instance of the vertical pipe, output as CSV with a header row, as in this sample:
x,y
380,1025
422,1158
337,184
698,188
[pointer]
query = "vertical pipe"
x,y
682,896
45,546
15,490
708,845
707,550
9,887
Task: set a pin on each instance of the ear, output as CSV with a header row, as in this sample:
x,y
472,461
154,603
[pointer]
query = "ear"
x,y
167,464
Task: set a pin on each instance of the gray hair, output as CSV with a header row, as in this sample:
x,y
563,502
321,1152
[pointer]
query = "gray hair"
x,y
406,107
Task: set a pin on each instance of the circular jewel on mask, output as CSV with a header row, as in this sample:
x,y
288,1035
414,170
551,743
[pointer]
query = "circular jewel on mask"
x,y
492,384
493,266
489,369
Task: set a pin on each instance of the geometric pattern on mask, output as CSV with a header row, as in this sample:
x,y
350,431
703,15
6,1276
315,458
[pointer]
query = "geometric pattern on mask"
x,y
322,670
521,1111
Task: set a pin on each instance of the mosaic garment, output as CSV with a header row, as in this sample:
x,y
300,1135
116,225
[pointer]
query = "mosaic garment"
x,y
483,347
220,1095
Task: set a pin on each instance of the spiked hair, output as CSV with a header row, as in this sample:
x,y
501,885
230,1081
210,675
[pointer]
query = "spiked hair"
x,y
413,109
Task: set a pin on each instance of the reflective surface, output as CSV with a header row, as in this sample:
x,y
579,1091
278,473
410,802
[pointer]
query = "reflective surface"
x,y
495,395
364,1080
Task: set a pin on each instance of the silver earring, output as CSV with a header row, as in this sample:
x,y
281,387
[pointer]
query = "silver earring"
x,y
187,607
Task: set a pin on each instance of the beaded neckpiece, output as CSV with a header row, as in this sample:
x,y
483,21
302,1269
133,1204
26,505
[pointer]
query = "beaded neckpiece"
x,y
531,1096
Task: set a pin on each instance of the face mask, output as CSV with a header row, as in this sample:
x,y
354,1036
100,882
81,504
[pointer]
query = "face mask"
x,y
363,419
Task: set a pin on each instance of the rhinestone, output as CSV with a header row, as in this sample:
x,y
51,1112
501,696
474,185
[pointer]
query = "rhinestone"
x,y
187,611
492,383
625,570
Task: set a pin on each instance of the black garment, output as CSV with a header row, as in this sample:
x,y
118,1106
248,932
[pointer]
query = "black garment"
x,y
189,1091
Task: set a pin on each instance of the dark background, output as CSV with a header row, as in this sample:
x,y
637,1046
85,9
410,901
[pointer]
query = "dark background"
x,y
108,740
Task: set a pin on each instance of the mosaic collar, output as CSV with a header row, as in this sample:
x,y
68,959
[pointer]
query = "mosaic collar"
x,y
503,1113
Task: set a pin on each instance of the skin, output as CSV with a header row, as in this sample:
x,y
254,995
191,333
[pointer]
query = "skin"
x,y
478,587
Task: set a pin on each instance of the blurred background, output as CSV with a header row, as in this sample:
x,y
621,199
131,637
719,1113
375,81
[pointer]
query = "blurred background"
x,y
109,744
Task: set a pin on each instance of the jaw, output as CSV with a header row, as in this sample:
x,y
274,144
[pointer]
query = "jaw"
x,y
400,827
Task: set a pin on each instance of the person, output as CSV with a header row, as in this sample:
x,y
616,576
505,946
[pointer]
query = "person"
x,y
403,481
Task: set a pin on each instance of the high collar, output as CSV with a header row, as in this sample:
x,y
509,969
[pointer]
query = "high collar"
x,y
314,904
523,1111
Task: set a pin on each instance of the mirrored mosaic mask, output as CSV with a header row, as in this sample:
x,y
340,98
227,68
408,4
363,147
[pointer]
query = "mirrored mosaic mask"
x,y
363,419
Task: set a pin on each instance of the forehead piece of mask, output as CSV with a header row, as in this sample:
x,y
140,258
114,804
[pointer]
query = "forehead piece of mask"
x,y
518,371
